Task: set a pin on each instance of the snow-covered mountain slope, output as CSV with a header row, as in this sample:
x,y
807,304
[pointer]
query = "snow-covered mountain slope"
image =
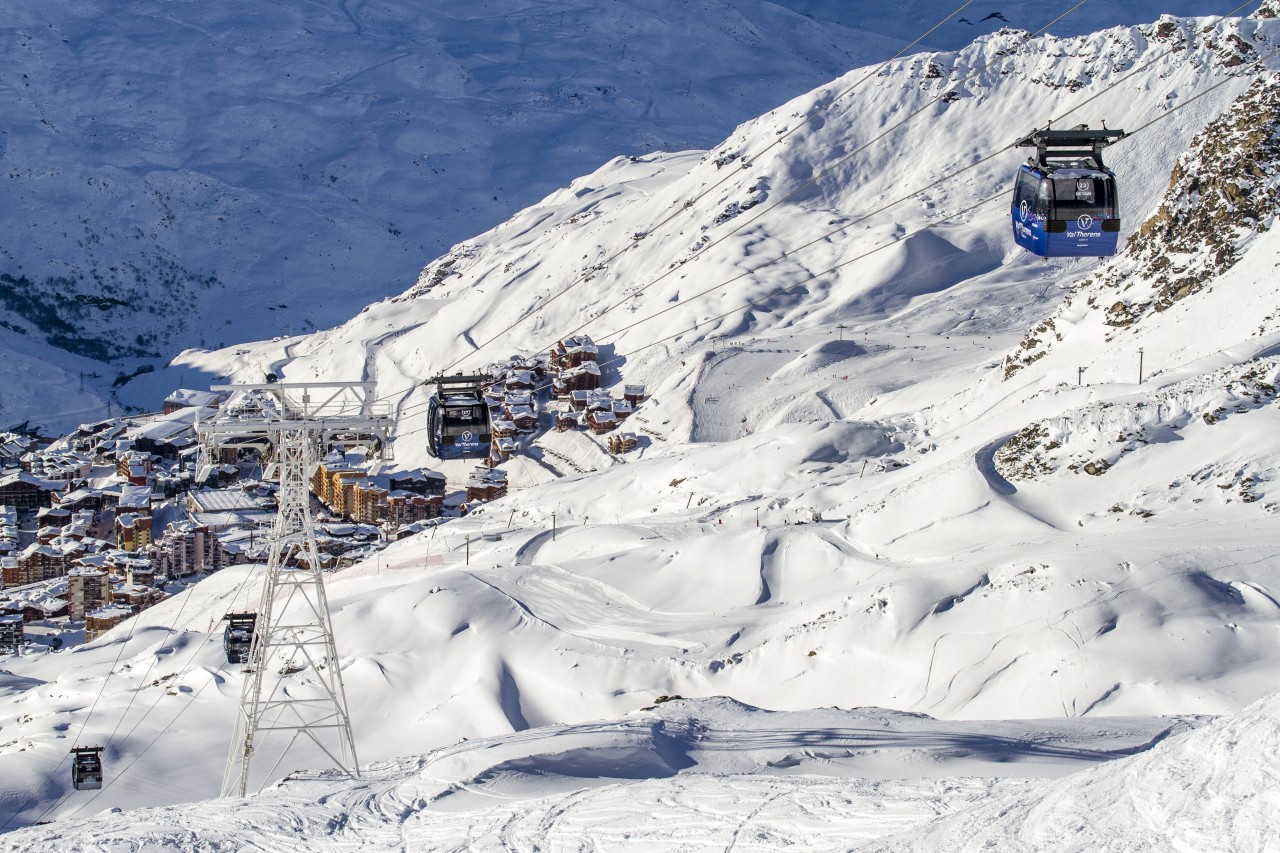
x,y
903,557
184,175
828,779
1212,789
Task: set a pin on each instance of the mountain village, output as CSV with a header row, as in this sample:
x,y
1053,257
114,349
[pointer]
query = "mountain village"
x,y
102,523
896,470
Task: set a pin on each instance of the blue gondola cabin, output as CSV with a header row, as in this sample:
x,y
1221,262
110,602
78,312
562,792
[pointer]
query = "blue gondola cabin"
x,y
1064,201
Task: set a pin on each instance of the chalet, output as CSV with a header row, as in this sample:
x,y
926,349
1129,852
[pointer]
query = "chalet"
x,y
12,448
502,449
87,589
486,484
599,402
61,466
633,394
103,619
23,490
423,481
80,500
621,442
519,380
134,499
585,376
601,421
95,439
524,419
622,410
503,428
137,597
36,609
578,400
566,421
516,399
52,517
573,351
37,563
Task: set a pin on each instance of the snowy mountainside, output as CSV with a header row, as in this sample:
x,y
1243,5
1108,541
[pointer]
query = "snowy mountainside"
x,y
893,564
183,175
584,258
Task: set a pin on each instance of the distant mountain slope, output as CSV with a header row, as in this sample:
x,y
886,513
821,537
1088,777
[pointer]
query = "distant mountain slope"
x,y
180,175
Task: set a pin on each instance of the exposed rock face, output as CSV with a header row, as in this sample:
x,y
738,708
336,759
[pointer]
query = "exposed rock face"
x,y
1222,193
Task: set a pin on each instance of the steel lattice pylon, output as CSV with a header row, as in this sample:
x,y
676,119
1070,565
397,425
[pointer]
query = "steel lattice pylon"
x,y
294,681
295,684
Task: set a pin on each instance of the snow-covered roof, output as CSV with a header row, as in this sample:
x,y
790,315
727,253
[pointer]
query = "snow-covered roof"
x,y
193,398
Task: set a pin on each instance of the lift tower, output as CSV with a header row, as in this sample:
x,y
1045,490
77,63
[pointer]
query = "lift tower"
x,y
293,683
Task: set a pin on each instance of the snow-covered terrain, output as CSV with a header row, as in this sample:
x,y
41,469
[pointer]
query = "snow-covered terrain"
x,y
180,175
888,461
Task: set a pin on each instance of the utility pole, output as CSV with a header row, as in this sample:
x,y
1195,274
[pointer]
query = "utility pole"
x,y
1080,376
293,683
840,326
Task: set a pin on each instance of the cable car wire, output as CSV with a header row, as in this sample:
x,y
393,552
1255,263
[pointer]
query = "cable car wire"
x,y
788,254
1027,37
680,208
1003,193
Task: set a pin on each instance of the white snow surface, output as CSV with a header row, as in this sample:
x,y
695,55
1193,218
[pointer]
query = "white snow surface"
x,y
203,175
823,514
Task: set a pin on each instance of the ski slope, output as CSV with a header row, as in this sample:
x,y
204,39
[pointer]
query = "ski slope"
x,y
935,534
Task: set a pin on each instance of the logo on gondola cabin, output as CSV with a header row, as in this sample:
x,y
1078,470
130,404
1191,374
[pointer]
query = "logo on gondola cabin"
x,y
1085,222
1024,210
467,436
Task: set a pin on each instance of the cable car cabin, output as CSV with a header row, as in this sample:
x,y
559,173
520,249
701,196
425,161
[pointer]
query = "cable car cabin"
x,y
86,767
237,639
1064,201
458,418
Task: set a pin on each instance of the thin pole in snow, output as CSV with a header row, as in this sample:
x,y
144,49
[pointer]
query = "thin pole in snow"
x,y
1139,365
864,469
553,527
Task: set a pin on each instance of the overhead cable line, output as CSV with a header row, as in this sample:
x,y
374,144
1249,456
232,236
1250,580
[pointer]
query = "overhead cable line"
x,y
752,302
951,87
676,211
788,197
789,254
